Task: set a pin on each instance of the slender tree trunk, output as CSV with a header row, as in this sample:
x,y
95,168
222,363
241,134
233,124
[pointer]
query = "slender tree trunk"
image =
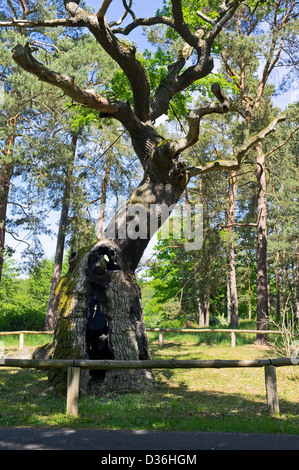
x,y
228,301
277,285
99,229
249,289
200,308
284,279
268,285
6,173
49,320
232,267
207,304
199,300
277,256
297,280
262,310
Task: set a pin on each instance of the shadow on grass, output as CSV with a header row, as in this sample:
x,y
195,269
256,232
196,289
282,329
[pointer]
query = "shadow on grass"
x,y
166,406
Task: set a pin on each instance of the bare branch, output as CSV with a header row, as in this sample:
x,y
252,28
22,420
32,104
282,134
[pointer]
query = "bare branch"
x,y
103,8
15,237
220,107
127,10
12,8
20,206
267,155
259,137
78,17
236,224
205,18
35,24
144,22
234,164
226,12
42,44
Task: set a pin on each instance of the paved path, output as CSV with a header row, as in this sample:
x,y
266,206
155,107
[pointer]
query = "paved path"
x,y
105,440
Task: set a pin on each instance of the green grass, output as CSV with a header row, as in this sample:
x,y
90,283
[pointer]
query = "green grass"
x,y
232,400
12,341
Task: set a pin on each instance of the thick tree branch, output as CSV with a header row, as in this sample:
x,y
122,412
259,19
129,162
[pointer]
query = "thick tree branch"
x,y
78,17
226,12
234,164
176,82
125,56
36,24
177,23
143,22
174,147
182,28
72,7
220,107
103,8
90,98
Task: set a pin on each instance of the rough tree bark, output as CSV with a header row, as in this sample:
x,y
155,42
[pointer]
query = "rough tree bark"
x,y
297,280
262,307
100,224
49,319
98,309
232,267
6,173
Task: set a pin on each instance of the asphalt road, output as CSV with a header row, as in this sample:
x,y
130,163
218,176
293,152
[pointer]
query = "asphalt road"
x,y
106,440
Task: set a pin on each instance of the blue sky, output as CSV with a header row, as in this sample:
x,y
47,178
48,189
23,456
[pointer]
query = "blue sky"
x,y
141,8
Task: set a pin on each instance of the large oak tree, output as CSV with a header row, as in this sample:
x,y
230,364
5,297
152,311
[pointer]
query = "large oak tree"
x,y
98,305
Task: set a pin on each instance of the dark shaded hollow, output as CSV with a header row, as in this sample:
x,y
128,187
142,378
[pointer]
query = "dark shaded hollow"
x,y
100,262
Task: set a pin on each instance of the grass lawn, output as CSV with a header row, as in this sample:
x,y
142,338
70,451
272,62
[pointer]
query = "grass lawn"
x,y
232,400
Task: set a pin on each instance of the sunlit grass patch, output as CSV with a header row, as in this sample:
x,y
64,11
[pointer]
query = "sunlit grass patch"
x,y
182,399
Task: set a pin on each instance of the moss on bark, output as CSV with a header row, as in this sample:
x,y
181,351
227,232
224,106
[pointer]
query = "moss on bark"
x,y
98,286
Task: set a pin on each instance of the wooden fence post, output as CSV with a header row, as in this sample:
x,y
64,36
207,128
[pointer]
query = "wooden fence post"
x,y
73,381
161,338
21,344
233,339
271,390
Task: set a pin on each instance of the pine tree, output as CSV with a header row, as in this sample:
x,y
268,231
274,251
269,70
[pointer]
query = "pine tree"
x,y
239,57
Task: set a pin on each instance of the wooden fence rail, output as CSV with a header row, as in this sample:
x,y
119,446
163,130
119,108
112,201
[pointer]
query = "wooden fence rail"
x,y
161,331
74,366
21,334
233,332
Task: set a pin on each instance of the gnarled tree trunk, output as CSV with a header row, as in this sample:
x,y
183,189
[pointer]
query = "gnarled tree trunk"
x,y
98,307
99,316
